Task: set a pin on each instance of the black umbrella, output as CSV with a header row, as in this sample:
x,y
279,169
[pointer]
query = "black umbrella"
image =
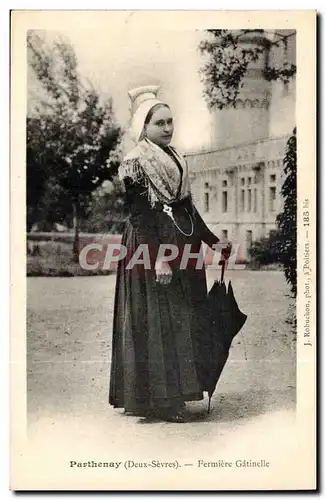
x,y
223,320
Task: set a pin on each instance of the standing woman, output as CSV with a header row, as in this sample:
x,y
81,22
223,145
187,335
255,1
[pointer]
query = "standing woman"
x,y
158,304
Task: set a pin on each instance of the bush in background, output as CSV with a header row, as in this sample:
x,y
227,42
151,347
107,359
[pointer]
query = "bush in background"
x,y
52,257
287,220
265,251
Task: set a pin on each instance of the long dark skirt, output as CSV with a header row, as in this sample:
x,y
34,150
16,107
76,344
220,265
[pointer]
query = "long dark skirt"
x,y
155,336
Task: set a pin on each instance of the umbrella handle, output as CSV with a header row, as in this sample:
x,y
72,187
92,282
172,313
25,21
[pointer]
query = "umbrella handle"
x,y
223,269
209,404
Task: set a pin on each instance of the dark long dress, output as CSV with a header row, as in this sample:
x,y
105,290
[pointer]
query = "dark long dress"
x,y
155,327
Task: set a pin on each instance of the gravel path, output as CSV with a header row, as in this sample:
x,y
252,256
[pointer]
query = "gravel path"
x,y
68,349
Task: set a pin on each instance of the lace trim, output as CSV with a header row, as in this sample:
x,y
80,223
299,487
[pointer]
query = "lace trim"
x,y
131,168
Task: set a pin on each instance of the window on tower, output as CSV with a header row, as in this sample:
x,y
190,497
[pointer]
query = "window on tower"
x,y
249,200
272,198
242,200
224,201
206,202
248,240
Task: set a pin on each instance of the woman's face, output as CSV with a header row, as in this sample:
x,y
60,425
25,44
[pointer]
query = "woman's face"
x,y
160,127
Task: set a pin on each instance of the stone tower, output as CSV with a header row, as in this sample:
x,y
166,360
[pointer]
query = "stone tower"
x,y
249,119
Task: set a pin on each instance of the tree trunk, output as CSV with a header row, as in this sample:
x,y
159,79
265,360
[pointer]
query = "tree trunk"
x,y
76,224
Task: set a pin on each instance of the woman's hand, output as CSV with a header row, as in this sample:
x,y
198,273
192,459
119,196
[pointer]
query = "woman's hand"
x,y
226,251
163,272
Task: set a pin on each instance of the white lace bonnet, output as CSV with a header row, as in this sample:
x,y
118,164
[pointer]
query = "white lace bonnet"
x,y
142,100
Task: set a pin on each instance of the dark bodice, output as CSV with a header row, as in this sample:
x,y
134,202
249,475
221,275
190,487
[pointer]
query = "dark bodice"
x,y
153,224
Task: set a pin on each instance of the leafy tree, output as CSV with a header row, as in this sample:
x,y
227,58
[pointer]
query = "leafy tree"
x,y
37,169
47,201
78,132
287,220
228,59
107,209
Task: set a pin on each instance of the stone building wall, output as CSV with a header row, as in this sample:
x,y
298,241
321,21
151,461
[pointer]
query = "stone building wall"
x,y
237,190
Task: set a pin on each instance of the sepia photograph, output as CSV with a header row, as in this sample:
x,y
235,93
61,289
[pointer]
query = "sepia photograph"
x,y
163,207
